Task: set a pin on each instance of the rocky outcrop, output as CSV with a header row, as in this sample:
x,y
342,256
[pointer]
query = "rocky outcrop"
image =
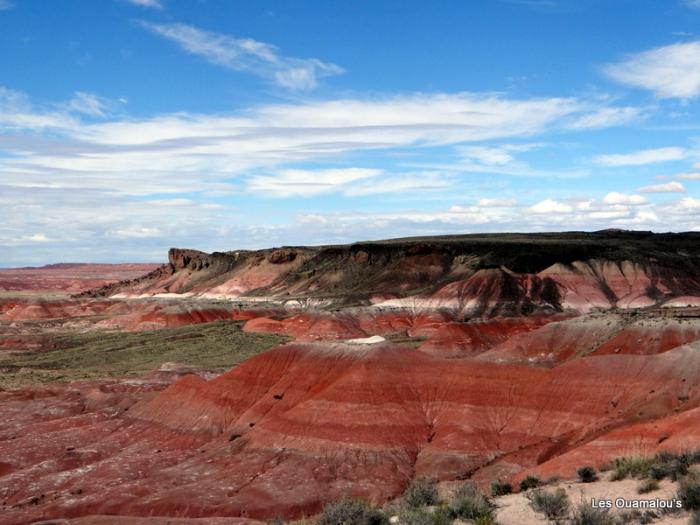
x,y
474,276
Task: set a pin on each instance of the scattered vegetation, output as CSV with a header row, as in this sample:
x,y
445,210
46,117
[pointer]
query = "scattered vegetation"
x,y
529,482
500,488
665,464
585,514
419,493
587,474
647,486
351,511
689,492
91,355
468,503
672,466
632,467
416,517
439,516
554,504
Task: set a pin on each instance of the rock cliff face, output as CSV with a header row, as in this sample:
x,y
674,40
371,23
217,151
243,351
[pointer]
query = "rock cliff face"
x,y
471,275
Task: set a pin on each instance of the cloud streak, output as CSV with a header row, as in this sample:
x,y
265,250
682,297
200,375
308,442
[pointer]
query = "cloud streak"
x,y
641,157
671,71
247,55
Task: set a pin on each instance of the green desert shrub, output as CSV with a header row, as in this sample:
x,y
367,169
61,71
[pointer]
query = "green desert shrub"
x,y
500,488
585,514
647,486
468,503
413,516
351,511
442,515
689,493
554,504
670,465
529,482
439,516
587,474
632,467
419,493
275,521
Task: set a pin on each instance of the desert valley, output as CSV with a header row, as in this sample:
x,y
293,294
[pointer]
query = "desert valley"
x,y
245,386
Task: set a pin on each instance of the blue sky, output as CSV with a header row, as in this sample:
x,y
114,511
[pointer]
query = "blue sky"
x,y
129,126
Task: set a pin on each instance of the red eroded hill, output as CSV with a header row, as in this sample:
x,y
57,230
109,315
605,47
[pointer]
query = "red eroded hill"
x,y
304,424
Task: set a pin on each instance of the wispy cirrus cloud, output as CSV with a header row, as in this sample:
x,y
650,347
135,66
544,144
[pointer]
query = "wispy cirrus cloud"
x,y
671,71
153,4
247,55
87,104
609,116
5,5
641,157
669,187
86,178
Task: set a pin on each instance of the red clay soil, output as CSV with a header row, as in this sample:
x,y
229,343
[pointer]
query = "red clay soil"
x,y
70,278
303,424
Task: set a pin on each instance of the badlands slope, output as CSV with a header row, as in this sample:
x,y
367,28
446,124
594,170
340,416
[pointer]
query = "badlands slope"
x,y
472,357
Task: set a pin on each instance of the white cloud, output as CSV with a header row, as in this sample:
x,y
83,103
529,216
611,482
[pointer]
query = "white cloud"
x,y
551,206
246,54
496,203
622,198
671,71
37,237
129,188
307,183
5,5
400,184
489,155
641,157
607,117
689,203
138,232
688,176
87,103
154,4
670,187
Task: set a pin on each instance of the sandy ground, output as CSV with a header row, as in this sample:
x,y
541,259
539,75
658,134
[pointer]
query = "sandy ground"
x,y
515,510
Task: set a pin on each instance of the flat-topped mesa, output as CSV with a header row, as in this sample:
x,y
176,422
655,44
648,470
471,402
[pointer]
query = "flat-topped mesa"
x,y
479,275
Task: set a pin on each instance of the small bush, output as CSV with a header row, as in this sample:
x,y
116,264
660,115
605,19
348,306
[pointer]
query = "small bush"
x,y
632,467
442,516
670,465
500,488
420,493
587,474
415,517
351,511
530,482
584,514
470,504
553,504
689,493
647,486
275,521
